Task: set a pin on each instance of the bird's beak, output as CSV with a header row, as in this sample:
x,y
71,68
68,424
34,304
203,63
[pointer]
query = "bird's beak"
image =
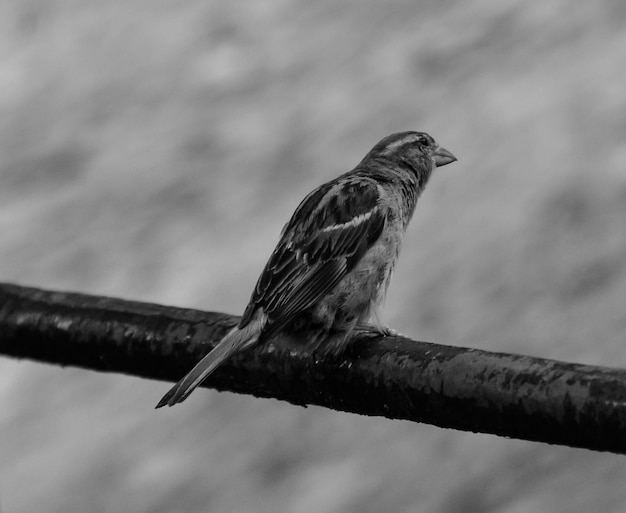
x,y
441,157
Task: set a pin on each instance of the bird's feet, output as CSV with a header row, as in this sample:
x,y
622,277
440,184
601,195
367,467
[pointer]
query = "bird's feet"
x,y
378,330
376,324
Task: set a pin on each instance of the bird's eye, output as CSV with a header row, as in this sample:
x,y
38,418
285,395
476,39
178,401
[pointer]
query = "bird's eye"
x,y
424,142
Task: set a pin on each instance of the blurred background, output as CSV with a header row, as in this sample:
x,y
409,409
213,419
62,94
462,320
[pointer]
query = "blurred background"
x,y
154,150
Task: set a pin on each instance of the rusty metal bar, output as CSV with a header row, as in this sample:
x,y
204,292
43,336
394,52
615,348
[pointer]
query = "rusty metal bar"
x,y
453,387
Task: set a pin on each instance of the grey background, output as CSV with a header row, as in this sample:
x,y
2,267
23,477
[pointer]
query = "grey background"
x,y
153,151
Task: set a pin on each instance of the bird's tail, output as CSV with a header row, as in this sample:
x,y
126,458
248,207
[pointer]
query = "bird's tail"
x,y
237,339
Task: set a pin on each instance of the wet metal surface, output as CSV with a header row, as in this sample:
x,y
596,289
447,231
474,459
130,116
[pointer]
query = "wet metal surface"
x,y
472,390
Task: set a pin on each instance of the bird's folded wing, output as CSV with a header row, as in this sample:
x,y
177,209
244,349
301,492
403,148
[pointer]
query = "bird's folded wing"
x,y
326,237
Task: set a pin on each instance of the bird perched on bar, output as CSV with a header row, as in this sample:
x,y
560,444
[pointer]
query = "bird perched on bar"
x,y
331,268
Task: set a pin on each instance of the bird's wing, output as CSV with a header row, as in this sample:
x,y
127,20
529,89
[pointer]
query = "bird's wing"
x,y
327,235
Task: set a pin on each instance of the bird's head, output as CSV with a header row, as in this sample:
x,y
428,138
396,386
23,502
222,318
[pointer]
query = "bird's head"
x,y
418,150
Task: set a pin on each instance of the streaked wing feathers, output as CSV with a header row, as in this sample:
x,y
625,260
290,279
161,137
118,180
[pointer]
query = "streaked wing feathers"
x,y
327,235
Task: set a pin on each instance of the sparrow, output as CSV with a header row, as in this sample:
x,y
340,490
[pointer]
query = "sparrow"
x,y
332,265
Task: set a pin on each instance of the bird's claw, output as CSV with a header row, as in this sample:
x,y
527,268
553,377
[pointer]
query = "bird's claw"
x,y
386,331
373,329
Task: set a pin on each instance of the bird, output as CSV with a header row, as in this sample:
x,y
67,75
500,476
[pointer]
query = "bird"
x,y
329,273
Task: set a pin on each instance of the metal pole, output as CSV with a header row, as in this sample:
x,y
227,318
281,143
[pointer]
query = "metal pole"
x,y
453,387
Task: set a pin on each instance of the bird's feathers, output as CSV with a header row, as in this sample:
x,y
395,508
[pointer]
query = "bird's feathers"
x,y
237,339
329,232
